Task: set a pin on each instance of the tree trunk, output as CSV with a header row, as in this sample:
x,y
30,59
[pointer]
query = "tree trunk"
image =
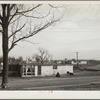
x,y
5,58
5,48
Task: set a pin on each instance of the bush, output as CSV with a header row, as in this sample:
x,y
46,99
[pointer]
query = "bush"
x,y
57,75
69,73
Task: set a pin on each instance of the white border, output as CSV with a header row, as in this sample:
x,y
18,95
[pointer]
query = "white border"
x,y
47,94
53,2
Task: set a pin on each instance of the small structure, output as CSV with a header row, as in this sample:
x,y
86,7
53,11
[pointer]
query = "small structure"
x,y
81,62
45,69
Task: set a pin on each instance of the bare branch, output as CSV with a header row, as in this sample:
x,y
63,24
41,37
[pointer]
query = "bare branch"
x,y
52,6
38,30
8,12
12,6
0,18
38,17
17,31
15,19
13,15
19,12
23,12
30,42
59,6
12,46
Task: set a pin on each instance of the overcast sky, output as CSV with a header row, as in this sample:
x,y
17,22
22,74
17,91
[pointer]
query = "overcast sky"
x,y
78,31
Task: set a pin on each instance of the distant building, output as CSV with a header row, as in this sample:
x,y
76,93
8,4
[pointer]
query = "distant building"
x,y
79,62
58,61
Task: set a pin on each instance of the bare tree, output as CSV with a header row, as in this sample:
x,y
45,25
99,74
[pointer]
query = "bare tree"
x,y
43,56
20,59
19,22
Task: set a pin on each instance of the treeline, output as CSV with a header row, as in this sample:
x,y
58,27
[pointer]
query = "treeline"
x,y
93,61
13,60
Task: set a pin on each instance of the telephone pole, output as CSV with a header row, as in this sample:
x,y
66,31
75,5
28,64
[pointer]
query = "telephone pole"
x,y
77,59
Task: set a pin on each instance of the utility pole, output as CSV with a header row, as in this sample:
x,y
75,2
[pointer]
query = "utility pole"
x,y
77,59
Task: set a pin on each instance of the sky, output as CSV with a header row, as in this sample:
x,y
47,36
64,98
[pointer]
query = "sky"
x,y
78,31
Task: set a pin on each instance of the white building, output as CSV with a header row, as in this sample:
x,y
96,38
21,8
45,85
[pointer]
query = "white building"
x,y
79,62
45,69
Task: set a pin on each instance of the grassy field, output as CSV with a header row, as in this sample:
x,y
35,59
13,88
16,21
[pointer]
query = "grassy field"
x,y
91,66
17,83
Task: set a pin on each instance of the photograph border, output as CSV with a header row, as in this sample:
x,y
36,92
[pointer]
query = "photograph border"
x,y
45,94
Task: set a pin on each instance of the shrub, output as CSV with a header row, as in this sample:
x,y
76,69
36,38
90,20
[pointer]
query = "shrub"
x,y
57,75
69,73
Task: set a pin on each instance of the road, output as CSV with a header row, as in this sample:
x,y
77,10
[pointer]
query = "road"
x,y
50,83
